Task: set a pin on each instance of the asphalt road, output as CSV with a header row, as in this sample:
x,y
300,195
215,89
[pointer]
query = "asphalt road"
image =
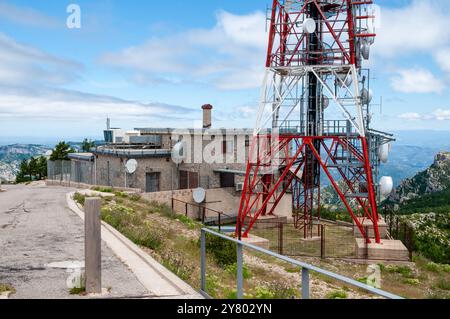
x,y
37,229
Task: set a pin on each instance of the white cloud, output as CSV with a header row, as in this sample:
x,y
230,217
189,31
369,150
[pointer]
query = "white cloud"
x,y
436,115
21,64
442,115
442,57
417,80
410,116
51,103
229,56
421,26
26,16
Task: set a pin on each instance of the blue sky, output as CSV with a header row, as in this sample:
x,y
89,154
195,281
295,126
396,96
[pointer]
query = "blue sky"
x,y
153,63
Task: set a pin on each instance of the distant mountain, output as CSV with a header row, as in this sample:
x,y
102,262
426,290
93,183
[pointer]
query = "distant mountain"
x,y
12,155
427,183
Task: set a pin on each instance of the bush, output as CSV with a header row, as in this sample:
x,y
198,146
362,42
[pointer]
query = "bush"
x,y
133,226
103,189
80,199
232,270
223,251
411,281
337,294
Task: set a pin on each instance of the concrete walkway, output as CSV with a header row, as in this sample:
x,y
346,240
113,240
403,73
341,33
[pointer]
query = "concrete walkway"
x,y
38,229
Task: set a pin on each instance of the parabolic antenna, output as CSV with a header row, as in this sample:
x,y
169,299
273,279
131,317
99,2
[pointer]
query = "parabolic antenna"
x,y
199,195
178,153
309,26
131,166
366,96
365,50
383,152
344,78
386,185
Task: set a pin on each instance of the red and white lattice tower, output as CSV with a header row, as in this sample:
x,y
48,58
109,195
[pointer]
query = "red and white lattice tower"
x,y
313,121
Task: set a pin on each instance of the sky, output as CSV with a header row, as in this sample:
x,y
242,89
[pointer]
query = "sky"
x,y
154,63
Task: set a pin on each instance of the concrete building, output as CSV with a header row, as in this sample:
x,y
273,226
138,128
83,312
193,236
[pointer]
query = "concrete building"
x,y
208,158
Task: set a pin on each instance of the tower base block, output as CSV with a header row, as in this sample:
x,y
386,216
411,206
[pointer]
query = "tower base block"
x,y
386,250
367,224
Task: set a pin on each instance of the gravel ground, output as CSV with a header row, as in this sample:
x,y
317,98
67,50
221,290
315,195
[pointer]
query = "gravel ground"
x,y
36,229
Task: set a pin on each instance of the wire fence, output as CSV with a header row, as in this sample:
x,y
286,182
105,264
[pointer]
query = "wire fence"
x,y
71,171
327,241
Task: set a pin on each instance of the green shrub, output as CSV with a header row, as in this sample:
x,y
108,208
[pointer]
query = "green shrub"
x,y
232,270
405,271
275,290
103,189
223,251
337,294
443,284
411,281
80,199
135,197
133,225
186,221
433,267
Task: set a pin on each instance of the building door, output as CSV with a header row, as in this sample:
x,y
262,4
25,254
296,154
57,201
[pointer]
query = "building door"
x,y
152,182
226,180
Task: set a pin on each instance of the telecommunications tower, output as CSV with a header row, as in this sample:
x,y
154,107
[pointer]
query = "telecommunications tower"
x,y
313,124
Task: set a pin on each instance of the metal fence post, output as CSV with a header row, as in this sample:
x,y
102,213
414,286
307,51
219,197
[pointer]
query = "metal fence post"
x,y
305,283
220,221
240,274
322,241
203,260
280,238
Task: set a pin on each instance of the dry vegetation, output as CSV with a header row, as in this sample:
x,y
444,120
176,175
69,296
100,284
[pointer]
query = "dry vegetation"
x,y
174,241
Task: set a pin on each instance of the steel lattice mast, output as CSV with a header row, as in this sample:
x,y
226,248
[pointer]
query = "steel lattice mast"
x,y
314,73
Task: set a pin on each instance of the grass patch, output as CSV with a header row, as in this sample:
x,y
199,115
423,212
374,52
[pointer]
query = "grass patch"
x,y
77,291
411,281
223,251
133,225
337,294
437,268
79,198
7,288
103,189
232,270
443,284
405,271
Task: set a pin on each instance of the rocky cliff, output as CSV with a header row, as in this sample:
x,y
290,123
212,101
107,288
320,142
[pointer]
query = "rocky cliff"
x,y
434,179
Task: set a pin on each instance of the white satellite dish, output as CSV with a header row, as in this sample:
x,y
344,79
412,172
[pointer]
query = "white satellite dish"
x,y
199,195
178,153
309,26
344,78
386,185
365,50
366,96
131,166
383,152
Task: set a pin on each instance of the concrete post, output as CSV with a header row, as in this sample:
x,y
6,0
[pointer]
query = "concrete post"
x,y
92,245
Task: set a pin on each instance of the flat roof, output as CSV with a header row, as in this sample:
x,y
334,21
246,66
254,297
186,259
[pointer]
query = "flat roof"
x,y
223,131
82,156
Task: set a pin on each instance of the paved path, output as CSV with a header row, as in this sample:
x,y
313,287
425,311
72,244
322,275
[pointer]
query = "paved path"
x,y
37,228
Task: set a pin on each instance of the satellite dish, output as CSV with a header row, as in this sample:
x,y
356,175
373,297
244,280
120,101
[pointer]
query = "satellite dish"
x,y
365,50
386,185
309,26
366,96
344,78
131,166
383,152
178,153
199,195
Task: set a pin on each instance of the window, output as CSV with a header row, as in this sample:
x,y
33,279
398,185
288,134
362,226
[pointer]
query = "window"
x,y
226,180
227,147
152,182
188,180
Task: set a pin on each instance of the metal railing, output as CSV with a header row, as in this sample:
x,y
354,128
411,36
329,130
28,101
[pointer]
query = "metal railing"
x,y
221,216
306,268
